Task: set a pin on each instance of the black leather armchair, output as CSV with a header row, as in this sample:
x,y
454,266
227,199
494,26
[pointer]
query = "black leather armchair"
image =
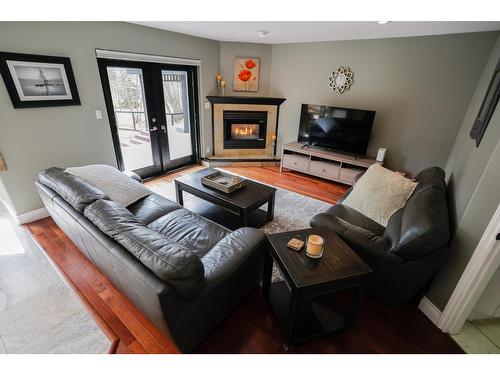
x,y
184,272
407,253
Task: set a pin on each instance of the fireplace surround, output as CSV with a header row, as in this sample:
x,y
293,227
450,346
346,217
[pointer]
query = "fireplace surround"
x,y
244,128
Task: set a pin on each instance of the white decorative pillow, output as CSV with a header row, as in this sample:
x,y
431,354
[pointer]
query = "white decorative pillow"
x,y
119,187
379,193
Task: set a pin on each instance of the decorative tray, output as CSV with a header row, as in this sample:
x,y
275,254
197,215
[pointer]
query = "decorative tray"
x,y
223,182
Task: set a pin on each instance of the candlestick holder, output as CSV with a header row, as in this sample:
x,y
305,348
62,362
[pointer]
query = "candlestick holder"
x,y
218,87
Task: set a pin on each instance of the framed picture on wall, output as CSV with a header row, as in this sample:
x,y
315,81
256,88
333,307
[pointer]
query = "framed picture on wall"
x,y
487,107
246,74
38,81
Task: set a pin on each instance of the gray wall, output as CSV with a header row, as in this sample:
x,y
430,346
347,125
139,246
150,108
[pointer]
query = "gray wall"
x,y
33,139
420,88
474,180
228,51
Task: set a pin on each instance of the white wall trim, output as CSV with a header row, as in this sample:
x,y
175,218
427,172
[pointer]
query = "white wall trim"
x,y
27,217
484,262
31,216
430,310
119,55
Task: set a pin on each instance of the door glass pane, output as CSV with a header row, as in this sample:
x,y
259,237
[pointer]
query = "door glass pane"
x,y
127,92
177,110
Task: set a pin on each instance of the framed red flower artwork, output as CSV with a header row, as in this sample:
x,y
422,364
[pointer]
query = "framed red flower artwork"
x,y
246,74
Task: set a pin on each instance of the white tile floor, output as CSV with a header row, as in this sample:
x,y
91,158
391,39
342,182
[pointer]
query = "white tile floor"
x,y
39,313
480,337
490,328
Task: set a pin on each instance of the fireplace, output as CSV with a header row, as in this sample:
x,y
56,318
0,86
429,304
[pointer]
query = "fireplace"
x,y
245,129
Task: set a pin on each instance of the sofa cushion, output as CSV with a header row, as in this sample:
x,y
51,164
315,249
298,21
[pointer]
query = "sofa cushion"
x,y
190,230
74,190
232,251
379,193
173,263
152,207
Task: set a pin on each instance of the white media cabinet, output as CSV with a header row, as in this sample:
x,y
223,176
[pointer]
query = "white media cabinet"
x,y
331,165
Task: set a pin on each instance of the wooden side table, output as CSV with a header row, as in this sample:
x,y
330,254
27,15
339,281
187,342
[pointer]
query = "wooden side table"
x,y
305,303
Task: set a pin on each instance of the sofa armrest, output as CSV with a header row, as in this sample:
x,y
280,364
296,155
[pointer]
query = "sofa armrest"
x,y
368,245
232,251
134,176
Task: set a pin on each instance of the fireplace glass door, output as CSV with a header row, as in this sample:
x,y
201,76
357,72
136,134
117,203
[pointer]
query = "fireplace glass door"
x,y
245,129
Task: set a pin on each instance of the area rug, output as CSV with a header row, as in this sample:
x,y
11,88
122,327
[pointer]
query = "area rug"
x,y
293,211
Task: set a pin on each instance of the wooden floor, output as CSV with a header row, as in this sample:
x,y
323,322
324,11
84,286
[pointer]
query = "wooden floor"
x,y
298,182
251,328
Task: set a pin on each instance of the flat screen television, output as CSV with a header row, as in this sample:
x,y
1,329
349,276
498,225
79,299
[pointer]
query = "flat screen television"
x,y
341,129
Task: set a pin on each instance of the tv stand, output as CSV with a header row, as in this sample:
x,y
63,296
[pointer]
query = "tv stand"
x,y
327,164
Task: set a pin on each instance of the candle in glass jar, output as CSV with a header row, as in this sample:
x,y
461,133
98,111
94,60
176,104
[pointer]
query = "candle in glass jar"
x,y
314,244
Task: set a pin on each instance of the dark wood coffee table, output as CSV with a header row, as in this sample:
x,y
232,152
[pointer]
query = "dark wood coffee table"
x,y
234,210
305,303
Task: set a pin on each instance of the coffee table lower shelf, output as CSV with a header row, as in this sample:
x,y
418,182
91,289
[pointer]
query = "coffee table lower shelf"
x,y
317,316
222,216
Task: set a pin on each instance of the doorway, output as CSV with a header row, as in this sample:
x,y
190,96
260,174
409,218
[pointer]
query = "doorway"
x,y
153,114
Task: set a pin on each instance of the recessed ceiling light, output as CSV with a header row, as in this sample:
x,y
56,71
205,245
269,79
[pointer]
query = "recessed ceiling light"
x,y
382,22
262,33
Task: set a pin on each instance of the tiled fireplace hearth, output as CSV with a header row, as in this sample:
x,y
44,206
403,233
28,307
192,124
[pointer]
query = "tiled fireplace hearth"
x,y
244,127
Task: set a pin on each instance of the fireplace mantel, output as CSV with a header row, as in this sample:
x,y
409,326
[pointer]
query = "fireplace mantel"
x,y
245,100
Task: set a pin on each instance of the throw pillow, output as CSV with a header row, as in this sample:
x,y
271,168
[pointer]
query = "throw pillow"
x,y
119,187
379,193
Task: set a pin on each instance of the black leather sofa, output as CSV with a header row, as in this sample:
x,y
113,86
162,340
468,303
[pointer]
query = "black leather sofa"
x,y
181,270
407,253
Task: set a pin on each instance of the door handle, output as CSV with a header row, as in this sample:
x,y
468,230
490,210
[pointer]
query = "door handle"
x,y
153,129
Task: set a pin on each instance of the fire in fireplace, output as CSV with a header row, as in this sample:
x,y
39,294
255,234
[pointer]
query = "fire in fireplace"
x,y
245,129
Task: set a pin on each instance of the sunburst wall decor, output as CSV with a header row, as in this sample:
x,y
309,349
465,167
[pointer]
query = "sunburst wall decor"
x,y
341,80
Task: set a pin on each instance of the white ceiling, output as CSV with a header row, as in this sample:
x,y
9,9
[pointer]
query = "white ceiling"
x,y
296,32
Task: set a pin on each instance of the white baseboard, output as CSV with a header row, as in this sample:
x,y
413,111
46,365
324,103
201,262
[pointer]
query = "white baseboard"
x,y
31,216
430,310
27,217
